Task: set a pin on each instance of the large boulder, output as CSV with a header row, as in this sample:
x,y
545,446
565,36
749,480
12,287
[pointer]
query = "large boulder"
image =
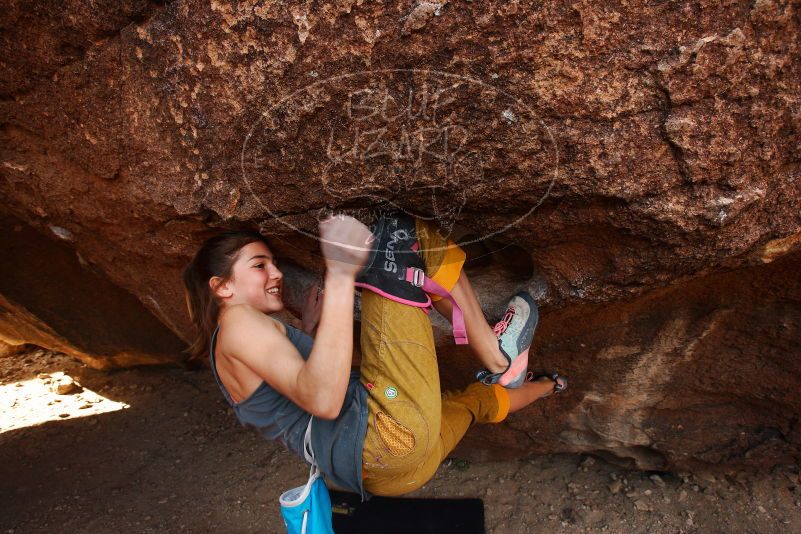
x,y
634,166
702,373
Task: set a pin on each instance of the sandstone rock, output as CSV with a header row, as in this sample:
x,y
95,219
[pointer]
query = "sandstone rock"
x,y
644,161
65,386
674,350
649,189
48,298
11,349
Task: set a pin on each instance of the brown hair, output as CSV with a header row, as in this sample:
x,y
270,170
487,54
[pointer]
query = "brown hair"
x,y
216,257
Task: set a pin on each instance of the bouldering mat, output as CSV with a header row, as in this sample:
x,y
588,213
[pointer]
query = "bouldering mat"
x,y
390,515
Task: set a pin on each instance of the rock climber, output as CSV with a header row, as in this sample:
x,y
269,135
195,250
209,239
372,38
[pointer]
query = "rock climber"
x,y
385,429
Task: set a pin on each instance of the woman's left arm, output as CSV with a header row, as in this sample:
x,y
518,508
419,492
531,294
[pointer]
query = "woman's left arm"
x,y
312,309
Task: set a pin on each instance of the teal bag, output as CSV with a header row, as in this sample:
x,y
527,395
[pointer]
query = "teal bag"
x,y
307,509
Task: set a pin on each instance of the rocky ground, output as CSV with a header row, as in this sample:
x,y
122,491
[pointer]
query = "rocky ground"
x,y
157,450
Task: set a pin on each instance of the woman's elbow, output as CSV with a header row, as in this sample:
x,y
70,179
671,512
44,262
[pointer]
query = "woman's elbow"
x,y
329,415
323,400
326,412
327,407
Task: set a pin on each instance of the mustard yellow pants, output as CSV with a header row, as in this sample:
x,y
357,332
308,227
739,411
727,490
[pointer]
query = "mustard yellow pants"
x,y
411,426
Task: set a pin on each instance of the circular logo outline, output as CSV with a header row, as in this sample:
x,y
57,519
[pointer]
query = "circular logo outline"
x,y
427,72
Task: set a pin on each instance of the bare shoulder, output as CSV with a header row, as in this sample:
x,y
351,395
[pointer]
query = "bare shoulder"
x,y
243,327
250,315
256,348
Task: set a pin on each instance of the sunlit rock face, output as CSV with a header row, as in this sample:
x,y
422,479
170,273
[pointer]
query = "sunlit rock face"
x,y
635,168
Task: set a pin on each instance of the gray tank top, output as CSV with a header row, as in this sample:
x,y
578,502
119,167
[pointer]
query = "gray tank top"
x,y
337,443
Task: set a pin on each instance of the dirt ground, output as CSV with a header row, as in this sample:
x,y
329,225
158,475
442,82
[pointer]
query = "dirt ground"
x,y
157,450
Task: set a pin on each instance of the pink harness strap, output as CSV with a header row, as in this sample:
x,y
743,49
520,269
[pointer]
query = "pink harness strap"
x,y
417,277
383,293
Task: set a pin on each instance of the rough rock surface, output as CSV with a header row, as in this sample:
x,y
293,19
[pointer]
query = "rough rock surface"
x,y
51,297
700,374
643,159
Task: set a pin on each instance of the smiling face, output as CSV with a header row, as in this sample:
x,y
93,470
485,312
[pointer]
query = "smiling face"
x,y
255,280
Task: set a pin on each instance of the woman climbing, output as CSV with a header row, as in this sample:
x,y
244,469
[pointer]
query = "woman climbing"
x,y
386,429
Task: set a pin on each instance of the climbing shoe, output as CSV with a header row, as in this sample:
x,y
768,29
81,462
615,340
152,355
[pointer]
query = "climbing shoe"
x,y
394,269
559,381
515,333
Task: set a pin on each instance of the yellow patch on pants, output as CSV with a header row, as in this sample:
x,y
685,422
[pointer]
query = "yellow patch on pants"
x,y
398,439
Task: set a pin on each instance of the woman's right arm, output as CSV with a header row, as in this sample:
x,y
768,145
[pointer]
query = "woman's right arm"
x,y
318,385
327,372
